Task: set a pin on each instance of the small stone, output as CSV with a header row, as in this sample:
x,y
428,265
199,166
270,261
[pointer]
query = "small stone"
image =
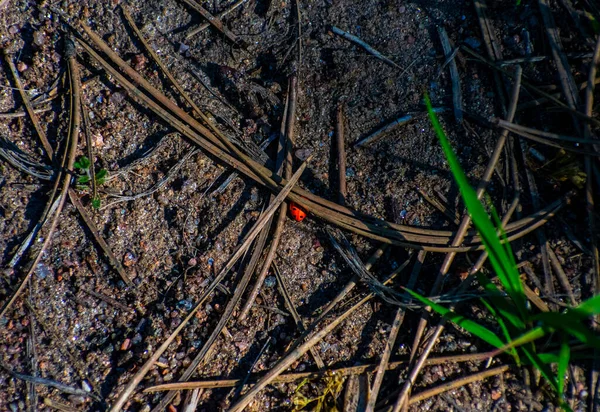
x,y
13,29
184,305
39,38
85,385
472,42
192,262
270,281
117,98
303,154
183,48
97,139
129,259
126,344
21,67
139,61
42,271
402,9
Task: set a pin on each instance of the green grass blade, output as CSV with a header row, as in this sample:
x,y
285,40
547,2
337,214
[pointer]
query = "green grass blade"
x,y
503,306
571,324
526,338
507,336
541,366
589,307
563,364
476,329
498,255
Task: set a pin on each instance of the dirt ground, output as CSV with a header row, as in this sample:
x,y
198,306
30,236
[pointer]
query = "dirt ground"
x,y
174,240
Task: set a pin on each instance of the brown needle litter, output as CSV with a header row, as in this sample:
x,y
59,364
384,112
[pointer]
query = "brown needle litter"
x,y
243,246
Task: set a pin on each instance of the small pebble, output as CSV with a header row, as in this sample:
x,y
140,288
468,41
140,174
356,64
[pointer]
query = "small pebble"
x,y
42,271
129,259
39,37
139,61
192,262
472,42
85,385
126,344
184,305
13,29
303,154
270,281
183,48
21,67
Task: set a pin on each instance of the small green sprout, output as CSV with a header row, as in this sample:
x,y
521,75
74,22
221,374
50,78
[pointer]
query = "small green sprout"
x,y
83,166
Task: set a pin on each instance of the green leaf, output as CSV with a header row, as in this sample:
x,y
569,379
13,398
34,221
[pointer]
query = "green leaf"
x,y
506,309
83,179
589,307
101,176
82,163
563,363
476,329
500,321
540,365
499,255
571,324
96,203
527,337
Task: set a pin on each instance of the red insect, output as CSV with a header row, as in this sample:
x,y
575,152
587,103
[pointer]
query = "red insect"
x,y
298,212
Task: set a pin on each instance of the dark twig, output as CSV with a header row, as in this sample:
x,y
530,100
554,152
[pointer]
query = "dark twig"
x,y
454,217
354,39
292,309
32,115
562,276
14,115
214,21
115,263
534,59
108,300
170,175
454,76
283,166
48,382
207,349
296,353
492,47
341,153
457,384
219,16
381,132
213,383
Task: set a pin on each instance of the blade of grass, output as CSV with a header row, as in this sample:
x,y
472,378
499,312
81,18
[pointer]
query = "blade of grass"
x,y
472,327
498,255
563,364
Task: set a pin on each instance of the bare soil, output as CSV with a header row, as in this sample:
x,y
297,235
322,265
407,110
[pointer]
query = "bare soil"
x,y
174,240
